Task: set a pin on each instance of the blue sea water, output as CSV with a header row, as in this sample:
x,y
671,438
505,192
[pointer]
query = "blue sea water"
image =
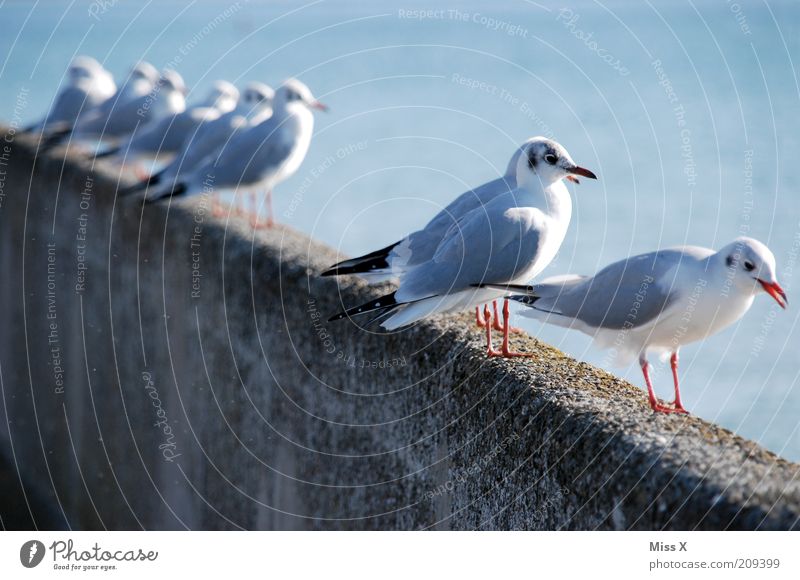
x,y
687,110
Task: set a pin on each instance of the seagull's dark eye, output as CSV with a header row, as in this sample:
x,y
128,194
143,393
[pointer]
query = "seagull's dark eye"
x,y
551,158
749,266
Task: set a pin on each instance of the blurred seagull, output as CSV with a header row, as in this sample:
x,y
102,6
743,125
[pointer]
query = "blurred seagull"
x,y
261,156
655,303
508,240
253,107
167,135
131,110
141,79
89,86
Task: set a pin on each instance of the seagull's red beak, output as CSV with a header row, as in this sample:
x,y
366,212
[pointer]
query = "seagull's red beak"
x,y
774,289
319,106
581,171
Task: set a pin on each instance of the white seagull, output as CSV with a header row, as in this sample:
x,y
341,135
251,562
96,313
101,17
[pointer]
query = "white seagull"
x,y
253,107
260,157
167,135
508,240
141,79
655,303
126,115
89,86
396,259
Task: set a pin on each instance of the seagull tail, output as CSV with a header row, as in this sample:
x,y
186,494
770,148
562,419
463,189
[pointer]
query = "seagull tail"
x,y
55,138
381,306
179,189
34,128
142,185
376,261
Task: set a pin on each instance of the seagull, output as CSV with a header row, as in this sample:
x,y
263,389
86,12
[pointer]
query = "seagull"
x,y
253,107
510,238
167,135
396,259
655,303
261,156
142,77
89,86
126,115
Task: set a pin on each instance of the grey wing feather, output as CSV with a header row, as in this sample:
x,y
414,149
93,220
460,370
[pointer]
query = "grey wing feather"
x,y
119,121
168,134
69,105
248,157
486,246
422,244
625,294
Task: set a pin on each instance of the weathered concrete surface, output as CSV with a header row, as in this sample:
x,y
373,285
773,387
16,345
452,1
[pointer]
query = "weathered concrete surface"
x,y
273,422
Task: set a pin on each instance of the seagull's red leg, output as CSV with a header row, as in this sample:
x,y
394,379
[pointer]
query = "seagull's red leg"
x,y
237,203
270,213
216,206
654,402
256,220
673,361
496,318
253,210
490,351
497,325
480,321
506,352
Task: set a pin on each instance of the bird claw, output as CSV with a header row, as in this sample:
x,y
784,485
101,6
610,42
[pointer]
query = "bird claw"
x,y
258,224
661,408
499,327
481,323
504,353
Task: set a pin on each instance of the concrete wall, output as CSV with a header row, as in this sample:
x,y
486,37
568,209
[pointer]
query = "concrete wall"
x,y
165,369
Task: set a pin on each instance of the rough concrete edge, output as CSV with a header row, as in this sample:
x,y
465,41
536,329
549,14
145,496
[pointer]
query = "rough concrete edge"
x,y
686,447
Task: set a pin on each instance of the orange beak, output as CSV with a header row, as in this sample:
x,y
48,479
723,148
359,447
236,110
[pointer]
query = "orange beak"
x,y
319,106
774,289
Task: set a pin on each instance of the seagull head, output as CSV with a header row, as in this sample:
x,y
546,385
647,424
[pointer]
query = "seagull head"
x,y
293,91
751,266
171,81
223,96
547,162
82,68
257,95
144,71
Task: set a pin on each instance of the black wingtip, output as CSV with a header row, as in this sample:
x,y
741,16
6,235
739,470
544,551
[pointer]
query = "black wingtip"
x,y
155,178
386,302
507,287
177,191
106,153
363,264
54,138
